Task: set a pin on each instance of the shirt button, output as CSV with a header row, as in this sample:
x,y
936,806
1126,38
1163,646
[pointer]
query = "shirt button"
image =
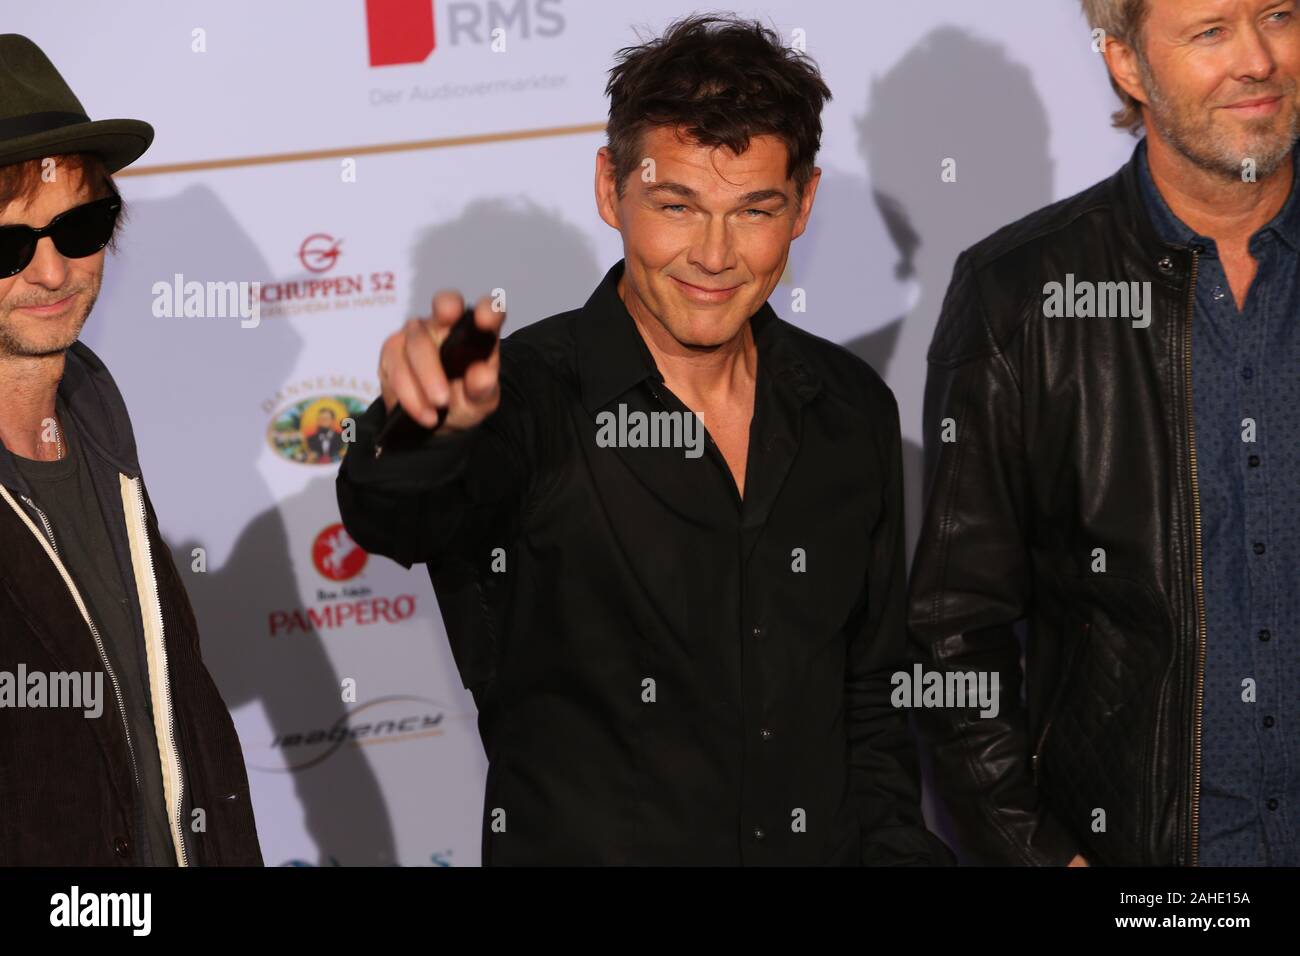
x,y
1272,803
1248,373
761,834
757,632
1219,294
1165,265
1268,721
1259,547
766,733
122,847
1253,461
1265,634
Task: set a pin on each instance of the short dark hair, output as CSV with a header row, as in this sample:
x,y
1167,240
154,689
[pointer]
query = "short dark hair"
x,y
725,80
20,182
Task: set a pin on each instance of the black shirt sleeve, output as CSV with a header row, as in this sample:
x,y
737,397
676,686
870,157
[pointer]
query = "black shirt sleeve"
x,y
436,497
883,763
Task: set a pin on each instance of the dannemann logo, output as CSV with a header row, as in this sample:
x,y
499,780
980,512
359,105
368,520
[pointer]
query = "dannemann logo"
x,y
310,430
403,31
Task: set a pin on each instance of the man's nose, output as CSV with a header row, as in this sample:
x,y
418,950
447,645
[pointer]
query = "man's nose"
x,y
48,267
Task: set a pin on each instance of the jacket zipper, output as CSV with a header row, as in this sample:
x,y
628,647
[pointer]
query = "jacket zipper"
x,y
1038,751
1199,574
94,632
154,609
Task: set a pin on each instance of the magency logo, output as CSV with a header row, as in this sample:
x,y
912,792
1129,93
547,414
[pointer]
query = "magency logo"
x,y
384,720
402,31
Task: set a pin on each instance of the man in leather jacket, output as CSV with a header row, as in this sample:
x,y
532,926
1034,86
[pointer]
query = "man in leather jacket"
x,y
1111,417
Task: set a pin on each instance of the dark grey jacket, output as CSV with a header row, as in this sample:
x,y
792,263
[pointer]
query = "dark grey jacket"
x,y
66,790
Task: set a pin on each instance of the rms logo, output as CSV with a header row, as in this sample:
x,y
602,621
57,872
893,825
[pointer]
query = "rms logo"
x,y
402,31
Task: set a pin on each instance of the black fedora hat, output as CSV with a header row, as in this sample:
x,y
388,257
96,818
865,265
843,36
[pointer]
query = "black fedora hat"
x,y
40,116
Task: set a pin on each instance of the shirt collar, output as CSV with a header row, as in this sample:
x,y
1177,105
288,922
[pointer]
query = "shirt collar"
x,y
612,356
1286,224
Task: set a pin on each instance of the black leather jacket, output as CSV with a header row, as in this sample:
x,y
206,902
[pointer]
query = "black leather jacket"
x,y
1068,435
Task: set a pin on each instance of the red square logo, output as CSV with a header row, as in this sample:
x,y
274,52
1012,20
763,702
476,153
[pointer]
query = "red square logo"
x,y
400,31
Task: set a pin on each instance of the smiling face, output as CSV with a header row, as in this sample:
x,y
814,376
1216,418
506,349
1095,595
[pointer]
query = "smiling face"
x,y
706,239
43,308
1220,80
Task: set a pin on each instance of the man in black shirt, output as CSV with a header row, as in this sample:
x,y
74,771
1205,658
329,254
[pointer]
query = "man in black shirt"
x,y
681,651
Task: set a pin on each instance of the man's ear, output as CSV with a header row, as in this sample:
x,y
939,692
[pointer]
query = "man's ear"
x,y
806,205
1122,60
606,193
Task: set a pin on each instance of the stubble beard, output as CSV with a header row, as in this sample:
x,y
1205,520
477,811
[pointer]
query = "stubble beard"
x,y
15,344
1195,136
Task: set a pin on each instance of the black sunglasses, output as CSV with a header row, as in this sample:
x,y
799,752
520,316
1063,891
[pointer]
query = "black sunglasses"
x,y
80,231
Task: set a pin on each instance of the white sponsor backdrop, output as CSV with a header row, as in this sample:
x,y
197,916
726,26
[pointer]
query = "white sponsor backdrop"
x,y
1010,89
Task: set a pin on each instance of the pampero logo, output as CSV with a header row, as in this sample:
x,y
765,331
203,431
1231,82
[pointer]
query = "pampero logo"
x,y
103,909
403,31
336,556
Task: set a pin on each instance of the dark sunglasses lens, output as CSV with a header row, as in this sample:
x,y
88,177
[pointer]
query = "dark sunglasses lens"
x,y
17,245
84,231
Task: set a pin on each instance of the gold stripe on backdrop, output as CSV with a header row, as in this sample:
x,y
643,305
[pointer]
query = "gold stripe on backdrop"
x,y
347,152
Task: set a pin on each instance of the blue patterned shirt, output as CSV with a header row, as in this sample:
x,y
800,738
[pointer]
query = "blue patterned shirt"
x,y
1246,365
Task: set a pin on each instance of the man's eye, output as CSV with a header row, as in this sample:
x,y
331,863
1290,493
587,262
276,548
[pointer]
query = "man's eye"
x,y
672,207
1206,35
759,213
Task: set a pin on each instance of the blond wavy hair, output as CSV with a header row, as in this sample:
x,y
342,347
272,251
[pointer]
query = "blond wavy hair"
x,y
1121,19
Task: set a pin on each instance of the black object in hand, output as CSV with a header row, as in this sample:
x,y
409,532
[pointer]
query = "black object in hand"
x,y
463,346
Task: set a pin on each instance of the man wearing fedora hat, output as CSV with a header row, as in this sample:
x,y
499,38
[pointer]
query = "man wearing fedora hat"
x,y
115,746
